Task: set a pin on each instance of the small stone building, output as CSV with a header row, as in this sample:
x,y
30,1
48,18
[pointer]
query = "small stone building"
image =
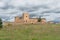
x,y
43,20
26,19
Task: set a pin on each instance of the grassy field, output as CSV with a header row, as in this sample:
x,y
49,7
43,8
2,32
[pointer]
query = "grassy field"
x,y
31,32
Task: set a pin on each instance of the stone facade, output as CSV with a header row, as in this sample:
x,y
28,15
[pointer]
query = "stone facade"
x,y
26,19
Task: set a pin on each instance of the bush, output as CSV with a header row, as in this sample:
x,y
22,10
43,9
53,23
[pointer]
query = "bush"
x,y
9,24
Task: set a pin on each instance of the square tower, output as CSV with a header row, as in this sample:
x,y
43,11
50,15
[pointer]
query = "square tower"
x,y
26,17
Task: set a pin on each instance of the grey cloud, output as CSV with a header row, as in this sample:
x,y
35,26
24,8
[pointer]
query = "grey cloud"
x,y
7,7
34,8
31,15
41,6
52,11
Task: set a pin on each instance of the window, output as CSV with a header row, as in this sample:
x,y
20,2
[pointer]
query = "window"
x,y
26,16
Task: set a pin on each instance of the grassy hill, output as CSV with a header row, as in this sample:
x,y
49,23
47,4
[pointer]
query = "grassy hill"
x,y
31,32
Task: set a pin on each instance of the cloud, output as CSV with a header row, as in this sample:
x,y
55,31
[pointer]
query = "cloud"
x,y
50,9
2,4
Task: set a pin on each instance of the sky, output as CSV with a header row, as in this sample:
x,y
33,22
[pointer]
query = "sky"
x,y
49,9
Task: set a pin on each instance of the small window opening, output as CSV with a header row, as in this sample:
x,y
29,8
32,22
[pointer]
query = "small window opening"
x,y
26,16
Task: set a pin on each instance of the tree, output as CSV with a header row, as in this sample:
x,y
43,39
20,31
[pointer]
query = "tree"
x,y
39,19
0,23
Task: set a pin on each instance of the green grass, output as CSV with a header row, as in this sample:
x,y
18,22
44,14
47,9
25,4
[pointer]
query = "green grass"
x,y
31,32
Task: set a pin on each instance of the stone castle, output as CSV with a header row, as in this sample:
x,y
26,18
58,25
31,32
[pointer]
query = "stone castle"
x,y
25,19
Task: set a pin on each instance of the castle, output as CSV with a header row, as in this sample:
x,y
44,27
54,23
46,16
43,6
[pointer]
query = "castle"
x,y
25,19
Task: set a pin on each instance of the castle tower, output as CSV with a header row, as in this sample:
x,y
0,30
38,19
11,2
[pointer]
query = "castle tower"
x,y
26,17
16,19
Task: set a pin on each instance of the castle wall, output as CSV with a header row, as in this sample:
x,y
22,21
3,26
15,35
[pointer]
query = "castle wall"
x,y
28,21
18,20
33,20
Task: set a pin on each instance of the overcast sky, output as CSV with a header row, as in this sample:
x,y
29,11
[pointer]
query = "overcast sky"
x,y
49,9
